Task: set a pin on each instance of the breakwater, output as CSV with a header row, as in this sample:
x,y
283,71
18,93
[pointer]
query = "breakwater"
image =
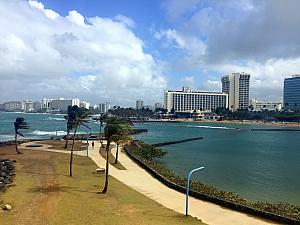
x,y
7,173
176,142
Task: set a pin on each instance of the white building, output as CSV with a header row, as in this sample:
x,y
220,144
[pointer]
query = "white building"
x,y
104,107
28,106
139,104
260,105
46,103
236,85
186,100
84,104
12,106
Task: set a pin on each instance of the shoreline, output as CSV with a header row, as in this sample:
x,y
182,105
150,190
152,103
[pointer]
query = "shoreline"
x,y
245,122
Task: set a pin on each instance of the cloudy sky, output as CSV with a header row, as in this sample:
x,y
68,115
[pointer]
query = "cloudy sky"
x,y
122,50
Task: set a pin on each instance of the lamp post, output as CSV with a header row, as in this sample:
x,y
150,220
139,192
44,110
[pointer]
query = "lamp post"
x,y
56,131
87,143
188,188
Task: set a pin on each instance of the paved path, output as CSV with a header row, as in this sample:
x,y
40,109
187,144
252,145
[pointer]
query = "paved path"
x,y
138,179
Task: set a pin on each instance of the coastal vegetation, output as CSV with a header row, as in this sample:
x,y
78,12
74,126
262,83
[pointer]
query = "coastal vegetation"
x,y
139,150
115,128
19,124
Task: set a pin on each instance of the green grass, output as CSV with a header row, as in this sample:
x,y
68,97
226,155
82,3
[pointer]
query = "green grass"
x,y
78,200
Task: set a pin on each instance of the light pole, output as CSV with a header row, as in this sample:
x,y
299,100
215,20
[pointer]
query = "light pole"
x,y
56,131
188,188
87,143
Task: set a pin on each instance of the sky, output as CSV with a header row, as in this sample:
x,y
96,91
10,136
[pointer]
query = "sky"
x,y
123,50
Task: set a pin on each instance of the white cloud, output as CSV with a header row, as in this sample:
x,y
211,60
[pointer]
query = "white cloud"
x,y
76,18
48,12
216,37
92,58
125,20
188,80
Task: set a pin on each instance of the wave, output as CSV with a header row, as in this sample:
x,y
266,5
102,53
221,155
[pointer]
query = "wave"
x,y
4,137
55,118
50,133
211,127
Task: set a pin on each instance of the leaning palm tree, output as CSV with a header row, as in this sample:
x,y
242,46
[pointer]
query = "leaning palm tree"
x,y
80,118
70,123
114,127
19,125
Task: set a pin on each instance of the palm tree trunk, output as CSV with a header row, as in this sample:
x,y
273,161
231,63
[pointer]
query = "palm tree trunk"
x,y
100,136
16,140
67,138
106,169
117,153
71,156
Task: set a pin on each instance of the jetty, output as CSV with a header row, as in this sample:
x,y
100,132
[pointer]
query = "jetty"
x,y
274,129
176,142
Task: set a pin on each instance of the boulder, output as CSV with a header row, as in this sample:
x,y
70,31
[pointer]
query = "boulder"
x,y
7,207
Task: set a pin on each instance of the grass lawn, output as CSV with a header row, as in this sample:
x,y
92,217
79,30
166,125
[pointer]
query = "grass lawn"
x,y
45,194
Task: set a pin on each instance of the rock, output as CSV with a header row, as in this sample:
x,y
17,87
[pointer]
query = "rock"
x,y
100,170
7,207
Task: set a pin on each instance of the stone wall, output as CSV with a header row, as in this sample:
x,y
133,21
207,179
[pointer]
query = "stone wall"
x,y
7,173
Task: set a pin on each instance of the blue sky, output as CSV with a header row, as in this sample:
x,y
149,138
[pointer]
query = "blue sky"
x,y
122,50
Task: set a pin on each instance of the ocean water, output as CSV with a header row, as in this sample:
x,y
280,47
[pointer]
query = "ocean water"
x,y
41,125
258,165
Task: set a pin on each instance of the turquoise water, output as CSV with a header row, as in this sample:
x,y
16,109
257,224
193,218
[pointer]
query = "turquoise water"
x,y
258,165
41,125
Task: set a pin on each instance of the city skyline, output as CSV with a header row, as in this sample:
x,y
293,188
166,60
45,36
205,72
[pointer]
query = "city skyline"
x,y
119,52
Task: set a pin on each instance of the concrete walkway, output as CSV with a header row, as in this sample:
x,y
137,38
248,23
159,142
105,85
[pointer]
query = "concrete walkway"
x,y
141,181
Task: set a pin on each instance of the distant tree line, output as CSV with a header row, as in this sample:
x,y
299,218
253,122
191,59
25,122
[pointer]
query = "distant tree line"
x,y
264,115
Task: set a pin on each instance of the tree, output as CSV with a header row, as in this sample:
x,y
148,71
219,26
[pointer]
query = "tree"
x,y
119,139
80,118
70,122
19,125
114,127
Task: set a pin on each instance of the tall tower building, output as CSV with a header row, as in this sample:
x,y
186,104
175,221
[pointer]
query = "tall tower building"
x,y
236,85
291,93
139,104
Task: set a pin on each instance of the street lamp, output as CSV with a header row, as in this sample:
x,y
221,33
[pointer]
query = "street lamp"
x,y
188,188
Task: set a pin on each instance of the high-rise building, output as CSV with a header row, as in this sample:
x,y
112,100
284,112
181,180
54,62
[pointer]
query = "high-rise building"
x,y
236,85
291,93
104,107
186,101
84,104
139,104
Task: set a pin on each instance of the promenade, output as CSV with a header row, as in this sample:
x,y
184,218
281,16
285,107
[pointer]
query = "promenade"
x,y
139,180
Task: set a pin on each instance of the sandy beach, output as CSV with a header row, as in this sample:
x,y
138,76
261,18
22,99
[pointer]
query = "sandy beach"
x,y
138,179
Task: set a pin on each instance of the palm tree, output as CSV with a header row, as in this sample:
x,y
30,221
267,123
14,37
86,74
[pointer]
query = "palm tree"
x,y
114,127
103,117
119,139
80,118
19,124
70,123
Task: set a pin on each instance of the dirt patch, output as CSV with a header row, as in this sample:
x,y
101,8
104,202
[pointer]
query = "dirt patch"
x,y
37,166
